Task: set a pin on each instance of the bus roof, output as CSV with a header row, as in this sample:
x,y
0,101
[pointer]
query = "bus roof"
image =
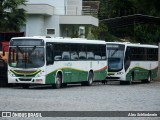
x,y
133,44
64,40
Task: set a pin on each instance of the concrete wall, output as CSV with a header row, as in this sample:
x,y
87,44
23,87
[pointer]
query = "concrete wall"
x,y
62,7
73,7
50,14
58,4
35,25
52,22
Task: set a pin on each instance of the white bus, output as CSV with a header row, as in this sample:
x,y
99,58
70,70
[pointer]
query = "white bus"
x,y
56,61
131,62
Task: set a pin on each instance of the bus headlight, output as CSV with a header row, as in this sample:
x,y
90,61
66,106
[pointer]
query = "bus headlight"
x,y
39,74
119,73
12,74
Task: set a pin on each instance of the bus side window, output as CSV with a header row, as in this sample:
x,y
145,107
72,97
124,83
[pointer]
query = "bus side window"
x,y
66,55
90,55
82,55
82,52
74,52
49,54
57,52
74,56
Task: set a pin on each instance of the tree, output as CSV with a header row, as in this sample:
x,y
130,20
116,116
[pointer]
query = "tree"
x,y
11,17
117,8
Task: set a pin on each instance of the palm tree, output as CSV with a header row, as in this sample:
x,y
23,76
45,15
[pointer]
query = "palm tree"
x,y
11,17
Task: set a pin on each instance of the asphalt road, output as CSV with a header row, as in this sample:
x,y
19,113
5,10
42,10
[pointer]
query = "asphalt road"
x,y
110,97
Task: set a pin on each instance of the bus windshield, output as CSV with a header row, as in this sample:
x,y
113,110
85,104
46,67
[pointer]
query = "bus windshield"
x,y
26,57
115,57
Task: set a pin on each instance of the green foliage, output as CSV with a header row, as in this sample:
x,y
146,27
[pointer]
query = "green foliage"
x,y
102,33
117,8
147,33
141,33
11,17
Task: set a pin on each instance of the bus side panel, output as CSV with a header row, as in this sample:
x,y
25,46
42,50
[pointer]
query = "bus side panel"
x,y
69,75
100,74
140,70
128,74
75,75
79,71
137,73
140,73
66,75
83,76
50,78
154,73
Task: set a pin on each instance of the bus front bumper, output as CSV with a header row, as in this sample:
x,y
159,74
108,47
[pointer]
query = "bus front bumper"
x,y
116,76
26,80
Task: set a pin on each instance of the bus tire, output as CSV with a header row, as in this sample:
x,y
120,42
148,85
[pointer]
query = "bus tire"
x,y
122,82
149,77
104,82
148,80
58,82
25,86
131,80
64,85
90,79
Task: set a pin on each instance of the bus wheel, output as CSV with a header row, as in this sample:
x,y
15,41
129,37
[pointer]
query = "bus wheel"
x,y
104,82
25,86
58,81
148,80
122,82
64,85
90,79
130,81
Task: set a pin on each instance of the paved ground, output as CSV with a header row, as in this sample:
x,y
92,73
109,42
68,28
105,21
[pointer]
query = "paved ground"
x,y
110,97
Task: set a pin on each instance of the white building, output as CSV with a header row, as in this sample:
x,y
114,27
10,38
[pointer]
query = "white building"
x,y
58,18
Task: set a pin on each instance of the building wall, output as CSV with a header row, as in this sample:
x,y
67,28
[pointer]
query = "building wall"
x,y
52,22
58,4
63,15
74,7
62,7
35,25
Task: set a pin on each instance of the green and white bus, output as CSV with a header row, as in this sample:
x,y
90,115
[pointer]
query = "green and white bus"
x,y
56,61
129,62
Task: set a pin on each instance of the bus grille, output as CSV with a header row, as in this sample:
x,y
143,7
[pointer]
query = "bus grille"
x,y
25,72
112,78
25,79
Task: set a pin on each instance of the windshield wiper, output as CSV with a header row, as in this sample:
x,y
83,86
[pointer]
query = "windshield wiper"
x,y
32,51
114,52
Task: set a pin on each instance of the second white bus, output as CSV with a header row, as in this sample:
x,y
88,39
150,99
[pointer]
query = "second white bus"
x,y
131,62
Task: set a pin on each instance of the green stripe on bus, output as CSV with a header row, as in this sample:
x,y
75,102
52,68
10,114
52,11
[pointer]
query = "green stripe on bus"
x,y
75,75
141,73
